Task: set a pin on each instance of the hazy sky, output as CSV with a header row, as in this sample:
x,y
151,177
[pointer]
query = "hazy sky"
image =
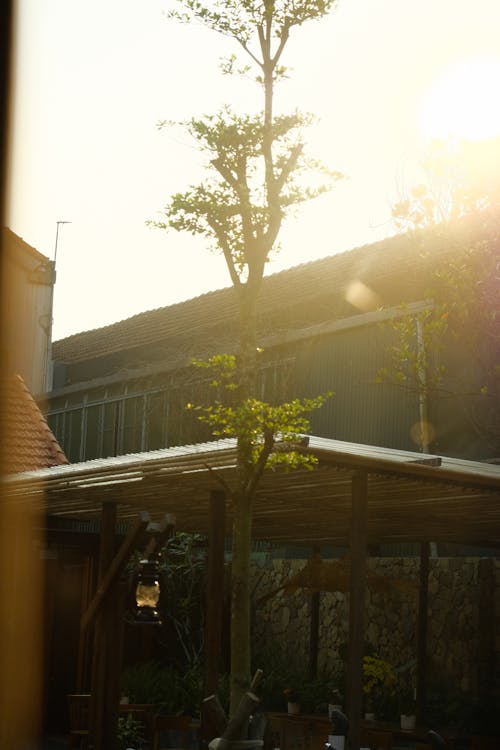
x,y
93,77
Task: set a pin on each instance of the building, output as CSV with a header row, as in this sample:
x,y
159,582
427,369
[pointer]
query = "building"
x,y
27,295
323,326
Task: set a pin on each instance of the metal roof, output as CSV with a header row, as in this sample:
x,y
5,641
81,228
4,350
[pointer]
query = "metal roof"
x,y
411,496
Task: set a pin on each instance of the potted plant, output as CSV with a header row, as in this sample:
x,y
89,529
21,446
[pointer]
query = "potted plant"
x,y
130,735
292,698
378,681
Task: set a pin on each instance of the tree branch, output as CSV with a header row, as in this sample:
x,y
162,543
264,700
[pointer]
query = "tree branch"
x,y
240,186
226,250
249,52
285,33
289,166
260,464
226,173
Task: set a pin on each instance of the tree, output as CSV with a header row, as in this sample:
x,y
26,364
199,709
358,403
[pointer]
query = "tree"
x,y
253,181
458,207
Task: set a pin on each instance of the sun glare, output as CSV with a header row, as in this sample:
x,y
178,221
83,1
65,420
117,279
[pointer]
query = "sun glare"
x,y
463,102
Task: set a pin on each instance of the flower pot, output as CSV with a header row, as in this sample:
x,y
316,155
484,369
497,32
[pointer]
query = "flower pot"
x,y
408,721
293,708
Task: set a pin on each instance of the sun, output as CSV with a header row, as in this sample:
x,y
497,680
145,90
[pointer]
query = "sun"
x,y
463,102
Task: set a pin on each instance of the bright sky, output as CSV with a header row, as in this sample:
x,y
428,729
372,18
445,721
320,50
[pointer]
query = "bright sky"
x,y
93,78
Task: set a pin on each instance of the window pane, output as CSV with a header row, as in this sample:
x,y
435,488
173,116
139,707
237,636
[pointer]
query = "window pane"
x,y
156,421
74,424
132,425
110,429
93,432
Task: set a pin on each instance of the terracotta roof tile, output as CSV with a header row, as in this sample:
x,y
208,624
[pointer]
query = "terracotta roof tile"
x,y
27,441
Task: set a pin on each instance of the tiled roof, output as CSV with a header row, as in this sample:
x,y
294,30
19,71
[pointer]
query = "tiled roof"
x,y
308,293
297,297
27,441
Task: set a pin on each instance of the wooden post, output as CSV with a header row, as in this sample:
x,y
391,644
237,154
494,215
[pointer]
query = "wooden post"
x,y
83,670
487,635
214,603
358,544
98,703
314,630
423,602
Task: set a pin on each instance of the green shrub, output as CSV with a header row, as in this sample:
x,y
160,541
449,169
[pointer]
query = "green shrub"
x,y
130,733
172,690
281,673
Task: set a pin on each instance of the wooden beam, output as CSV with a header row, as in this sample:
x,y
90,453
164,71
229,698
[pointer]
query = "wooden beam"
x,y
115,568
358,545
423,603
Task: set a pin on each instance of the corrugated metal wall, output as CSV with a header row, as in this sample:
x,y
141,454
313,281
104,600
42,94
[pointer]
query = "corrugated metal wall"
x,y
152,414
362,410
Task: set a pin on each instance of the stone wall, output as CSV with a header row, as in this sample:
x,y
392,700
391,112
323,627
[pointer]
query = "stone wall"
x,y
462,626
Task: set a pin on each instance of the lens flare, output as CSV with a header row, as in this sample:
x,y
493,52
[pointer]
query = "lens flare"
x,y
463,102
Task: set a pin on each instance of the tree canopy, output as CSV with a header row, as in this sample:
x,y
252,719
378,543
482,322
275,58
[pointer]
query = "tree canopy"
x,y
459,206
257,171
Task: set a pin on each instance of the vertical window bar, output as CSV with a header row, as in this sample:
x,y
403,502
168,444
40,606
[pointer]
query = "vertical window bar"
x,y
143,422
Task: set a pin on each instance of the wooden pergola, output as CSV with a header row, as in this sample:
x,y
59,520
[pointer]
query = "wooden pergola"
x,y
357,496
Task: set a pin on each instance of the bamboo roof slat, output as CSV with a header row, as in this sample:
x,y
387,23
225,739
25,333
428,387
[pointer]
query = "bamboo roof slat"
x,y
407,500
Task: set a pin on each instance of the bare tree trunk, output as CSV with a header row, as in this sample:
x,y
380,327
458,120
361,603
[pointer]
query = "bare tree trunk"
x,y
242,501
240,599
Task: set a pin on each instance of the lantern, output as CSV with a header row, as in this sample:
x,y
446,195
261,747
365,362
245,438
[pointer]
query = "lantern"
x,y
147,594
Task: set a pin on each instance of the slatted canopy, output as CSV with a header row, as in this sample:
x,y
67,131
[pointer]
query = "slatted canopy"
x,y
357,495
411,497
